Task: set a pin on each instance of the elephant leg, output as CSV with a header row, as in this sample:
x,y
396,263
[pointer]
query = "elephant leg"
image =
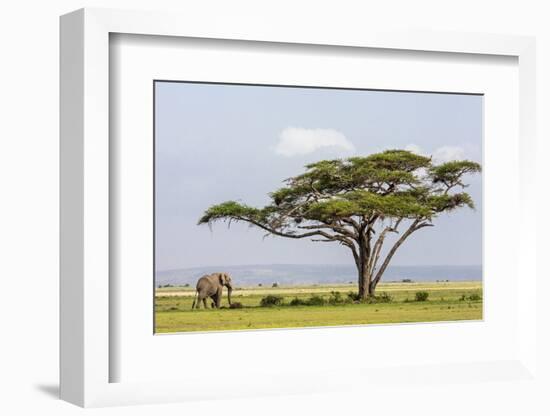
x,y
219,298
205,303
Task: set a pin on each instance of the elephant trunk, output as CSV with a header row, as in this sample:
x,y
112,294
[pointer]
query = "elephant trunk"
x,y
229,290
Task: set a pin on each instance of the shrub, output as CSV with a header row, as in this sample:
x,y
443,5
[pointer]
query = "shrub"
x,y
236,305
275,284
421,296
271,300
474,297
316,300
298,302
383,298
336,298
353,297
406,281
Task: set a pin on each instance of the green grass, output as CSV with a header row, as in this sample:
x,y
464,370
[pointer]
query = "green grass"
x,y
174,314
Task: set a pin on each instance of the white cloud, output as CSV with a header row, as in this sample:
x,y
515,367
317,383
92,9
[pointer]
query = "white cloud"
x,y
414,148
440,155
295,141
448,153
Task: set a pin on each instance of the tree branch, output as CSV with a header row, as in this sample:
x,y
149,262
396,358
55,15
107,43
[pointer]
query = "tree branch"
x,y
331,226
328,237
412,228
379,243
277,232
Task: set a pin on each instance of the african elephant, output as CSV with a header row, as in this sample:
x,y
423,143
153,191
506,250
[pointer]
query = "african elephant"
x,y
211,286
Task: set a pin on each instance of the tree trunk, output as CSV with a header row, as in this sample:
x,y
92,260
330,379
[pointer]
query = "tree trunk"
x,y
361,289
372,288
364,277
366,288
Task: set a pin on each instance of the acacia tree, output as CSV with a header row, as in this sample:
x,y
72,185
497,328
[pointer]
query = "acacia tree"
x,y
356,202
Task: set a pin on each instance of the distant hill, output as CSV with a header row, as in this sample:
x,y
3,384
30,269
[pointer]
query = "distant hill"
x,y
296,274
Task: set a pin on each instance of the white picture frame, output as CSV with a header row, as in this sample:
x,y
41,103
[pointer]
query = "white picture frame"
x,y
86,164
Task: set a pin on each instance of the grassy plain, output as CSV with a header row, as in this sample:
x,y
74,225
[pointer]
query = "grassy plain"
x,y
447,301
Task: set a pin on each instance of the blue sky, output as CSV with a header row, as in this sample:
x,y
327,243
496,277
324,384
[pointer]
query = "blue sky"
x,y
232,142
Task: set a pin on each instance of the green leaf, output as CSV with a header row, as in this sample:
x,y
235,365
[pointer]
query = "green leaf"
x,y
394,183
231,210
451,173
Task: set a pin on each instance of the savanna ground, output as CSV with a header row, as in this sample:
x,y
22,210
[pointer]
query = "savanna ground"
x,y
447,301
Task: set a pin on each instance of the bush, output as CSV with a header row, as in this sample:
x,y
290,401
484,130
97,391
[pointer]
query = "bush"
x,y
353,297
336,298
236,305
421,296
474,297
271,300
275,284
383,298
298,302
316,300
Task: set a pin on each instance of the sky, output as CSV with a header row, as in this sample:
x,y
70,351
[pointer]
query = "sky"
x,y
218,142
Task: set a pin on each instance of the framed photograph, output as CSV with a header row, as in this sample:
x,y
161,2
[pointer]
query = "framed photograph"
x,y
365,196
312,213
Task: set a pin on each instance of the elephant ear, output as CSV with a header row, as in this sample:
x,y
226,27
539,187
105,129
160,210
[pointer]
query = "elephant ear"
x,y
222,278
